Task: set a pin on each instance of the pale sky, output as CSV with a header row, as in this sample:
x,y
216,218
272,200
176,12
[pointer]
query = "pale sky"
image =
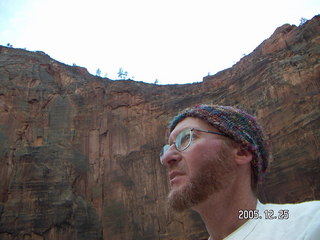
x,y
174,41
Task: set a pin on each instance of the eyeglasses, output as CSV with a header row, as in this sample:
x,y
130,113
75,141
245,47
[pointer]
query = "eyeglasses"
x,y
184,140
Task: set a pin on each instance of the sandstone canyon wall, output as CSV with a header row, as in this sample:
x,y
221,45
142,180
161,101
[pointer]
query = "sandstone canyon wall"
x,y
79,153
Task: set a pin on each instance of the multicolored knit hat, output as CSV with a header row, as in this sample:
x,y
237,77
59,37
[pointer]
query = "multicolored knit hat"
x,y
242,127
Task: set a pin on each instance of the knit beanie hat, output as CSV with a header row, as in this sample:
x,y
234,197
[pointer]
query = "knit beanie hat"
x,y
240,126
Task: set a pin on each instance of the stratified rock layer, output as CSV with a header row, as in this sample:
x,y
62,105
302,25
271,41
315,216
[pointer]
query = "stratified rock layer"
x,y
79,154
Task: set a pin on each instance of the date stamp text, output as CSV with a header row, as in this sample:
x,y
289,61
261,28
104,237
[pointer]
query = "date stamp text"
x,y
282,214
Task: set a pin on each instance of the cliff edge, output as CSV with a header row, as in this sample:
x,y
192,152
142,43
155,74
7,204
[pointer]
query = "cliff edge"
x,y
79,154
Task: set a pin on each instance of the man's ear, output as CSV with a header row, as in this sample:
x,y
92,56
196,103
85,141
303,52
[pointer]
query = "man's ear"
x,y
243,155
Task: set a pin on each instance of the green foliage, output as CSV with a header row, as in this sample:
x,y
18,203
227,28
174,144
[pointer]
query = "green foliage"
x,y
303,21
122,74
98,72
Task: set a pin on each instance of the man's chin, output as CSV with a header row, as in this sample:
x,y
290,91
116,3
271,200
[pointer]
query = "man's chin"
x,y
187,195
179,198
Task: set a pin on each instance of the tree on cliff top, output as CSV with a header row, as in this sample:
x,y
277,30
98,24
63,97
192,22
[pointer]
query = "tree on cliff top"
x,y
303,21
98,72
122,74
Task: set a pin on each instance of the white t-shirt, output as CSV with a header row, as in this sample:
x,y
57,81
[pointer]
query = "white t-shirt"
x,y
280,221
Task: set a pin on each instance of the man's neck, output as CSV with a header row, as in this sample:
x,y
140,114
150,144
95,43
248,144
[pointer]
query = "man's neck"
x,y
221,213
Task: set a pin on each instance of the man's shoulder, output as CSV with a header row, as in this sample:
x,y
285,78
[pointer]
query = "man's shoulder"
x,y
298,220
296,210
305,203
281,221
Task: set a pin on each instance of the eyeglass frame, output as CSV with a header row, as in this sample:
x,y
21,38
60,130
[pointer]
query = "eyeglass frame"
x,y
167,146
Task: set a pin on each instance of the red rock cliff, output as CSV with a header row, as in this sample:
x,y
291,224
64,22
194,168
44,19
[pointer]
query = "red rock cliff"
x,y
79,154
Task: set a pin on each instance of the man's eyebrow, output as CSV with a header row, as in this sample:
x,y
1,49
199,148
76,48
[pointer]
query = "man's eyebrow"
x,y
170,139
171,136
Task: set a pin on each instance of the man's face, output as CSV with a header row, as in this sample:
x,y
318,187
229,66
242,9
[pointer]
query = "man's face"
x,y
203,169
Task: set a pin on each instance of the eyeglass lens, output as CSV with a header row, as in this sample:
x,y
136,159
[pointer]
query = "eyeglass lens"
x,y
183,139
182,142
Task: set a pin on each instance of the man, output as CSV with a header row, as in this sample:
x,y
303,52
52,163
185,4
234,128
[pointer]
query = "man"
x,y
215,157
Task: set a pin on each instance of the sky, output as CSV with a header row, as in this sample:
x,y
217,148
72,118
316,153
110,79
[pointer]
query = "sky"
x,y
168,41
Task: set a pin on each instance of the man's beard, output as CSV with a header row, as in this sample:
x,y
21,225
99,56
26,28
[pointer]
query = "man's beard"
x,y
211,178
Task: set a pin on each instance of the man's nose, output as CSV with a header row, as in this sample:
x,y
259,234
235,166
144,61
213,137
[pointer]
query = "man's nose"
x,y
171,156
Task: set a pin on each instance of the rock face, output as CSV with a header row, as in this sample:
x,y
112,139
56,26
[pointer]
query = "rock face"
x,y
79,154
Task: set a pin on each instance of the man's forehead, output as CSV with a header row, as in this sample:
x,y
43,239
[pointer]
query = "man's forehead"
x,y
190,122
